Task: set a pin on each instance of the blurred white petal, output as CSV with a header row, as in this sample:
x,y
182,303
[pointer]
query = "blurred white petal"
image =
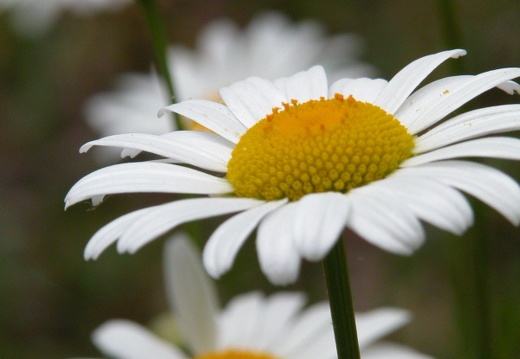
x,y
127,340
191,294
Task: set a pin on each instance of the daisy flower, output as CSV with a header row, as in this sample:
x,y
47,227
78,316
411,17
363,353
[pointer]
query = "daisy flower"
x,y
302,161
32,17
251,326
224,54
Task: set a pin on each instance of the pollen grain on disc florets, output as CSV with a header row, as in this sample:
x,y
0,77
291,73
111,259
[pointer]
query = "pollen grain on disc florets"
x,y
318,146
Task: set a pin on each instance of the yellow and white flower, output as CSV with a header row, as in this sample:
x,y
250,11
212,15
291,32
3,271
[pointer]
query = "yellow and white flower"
x,y
251,326
224,54
300,161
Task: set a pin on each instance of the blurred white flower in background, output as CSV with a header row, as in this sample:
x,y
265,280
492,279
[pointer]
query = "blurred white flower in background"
x,y
35,17
271,46
251,326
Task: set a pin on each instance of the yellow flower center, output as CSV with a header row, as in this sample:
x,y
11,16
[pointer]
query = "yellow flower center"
x,y
236,354
318,146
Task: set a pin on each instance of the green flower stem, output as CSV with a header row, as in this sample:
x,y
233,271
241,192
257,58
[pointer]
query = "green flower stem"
x,y
340,298
469,261
156,27
450,31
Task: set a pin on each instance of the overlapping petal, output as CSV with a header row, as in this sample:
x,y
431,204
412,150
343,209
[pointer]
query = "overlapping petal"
x,y
491,147
145,177
160,219
278,256
110,233
470,125
185,276
318,221
378,323
224,243
457,97
252,99
483,183
432,201
393,351
204,150
406,80
363,89
126,339
315,320
305,85
214,116
383,220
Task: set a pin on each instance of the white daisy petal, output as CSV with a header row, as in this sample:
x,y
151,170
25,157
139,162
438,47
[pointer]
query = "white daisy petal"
x,y
204,150
422,100
510,87
278,257
312,321
460,95
365,90
392,351
406,80
214,116
191,294
238,321
145,177
380,218
209,144
128,340
280,310
376,324
305,85
433,202
319,220
322,345
223,245
161,219
110,233
252,99
478,180
469,125
494,147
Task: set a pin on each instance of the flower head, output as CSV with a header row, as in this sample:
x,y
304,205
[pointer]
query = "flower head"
x,y
32,17
251,326
225,54
302,161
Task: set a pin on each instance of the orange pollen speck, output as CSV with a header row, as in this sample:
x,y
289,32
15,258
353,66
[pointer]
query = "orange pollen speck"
x,y
318,146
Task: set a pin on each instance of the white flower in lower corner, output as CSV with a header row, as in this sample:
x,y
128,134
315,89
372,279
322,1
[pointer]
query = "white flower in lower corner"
x,y
251,326
302,161
224,54
34,17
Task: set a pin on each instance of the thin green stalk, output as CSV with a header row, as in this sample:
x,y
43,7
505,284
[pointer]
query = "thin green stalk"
x,y
485,335
151,13
451,33
340,298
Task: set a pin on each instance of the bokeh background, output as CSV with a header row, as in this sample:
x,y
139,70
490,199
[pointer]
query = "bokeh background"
x,y
51,299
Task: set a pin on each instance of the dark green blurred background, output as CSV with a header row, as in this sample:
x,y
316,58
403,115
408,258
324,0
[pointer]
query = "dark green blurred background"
x,y
51,299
